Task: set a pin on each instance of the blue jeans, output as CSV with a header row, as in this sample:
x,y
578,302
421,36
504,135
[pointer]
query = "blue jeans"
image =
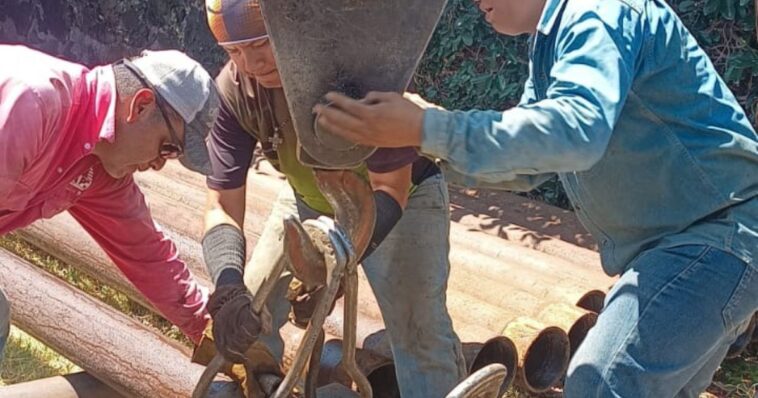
x,y
666,326
408,274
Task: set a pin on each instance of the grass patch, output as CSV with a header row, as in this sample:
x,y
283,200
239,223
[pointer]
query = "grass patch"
x,y
28,359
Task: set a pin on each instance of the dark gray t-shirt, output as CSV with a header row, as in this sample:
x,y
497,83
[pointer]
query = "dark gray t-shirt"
x,y
233,139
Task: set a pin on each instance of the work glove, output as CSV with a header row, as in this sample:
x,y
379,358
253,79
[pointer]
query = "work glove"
x,y
259,360
235,326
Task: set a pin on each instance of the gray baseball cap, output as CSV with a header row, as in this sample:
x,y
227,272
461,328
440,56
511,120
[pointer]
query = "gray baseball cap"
x,y
191,92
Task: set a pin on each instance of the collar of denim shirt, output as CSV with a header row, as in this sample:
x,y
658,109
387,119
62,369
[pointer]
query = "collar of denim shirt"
x,y
549,16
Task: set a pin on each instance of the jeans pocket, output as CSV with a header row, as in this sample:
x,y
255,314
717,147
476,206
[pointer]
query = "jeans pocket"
x,y
743,301
431,194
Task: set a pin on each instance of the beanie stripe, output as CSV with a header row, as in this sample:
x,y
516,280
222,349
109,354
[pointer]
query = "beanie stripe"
x,y
234,21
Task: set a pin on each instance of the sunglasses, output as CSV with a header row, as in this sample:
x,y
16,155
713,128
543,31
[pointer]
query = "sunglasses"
x,y
167,150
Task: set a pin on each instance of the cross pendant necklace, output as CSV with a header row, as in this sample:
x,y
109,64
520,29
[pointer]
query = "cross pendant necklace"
x,y
276,139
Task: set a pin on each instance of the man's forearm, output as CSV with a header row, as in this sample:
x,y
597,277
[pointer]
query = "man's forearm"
x,y
224,254
388,213
175,293
510,182
545,137
224,245
146,257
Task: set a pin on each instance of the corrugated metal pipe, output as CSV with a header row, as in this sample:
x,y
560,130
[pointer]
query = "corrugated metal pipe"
x,y
498,349
594,300
574,320
543,353
379,369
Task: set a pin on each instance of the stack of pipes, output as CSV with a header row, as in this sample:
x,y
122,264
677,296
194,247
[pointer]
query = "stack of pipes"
x,y
514,302
116,349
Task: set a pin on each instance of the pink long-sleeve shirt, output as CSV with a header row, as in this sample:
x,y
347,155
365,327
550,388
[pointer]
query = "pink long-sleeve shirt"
x,y
52,113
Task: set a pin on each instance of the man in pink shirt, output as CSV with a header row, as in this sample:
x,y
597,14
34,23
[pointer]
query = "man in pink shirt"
x,y
70,139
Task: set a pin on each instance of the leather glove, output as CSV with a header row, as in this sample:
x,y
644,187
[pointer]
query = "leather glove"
x,y
259,361
235,326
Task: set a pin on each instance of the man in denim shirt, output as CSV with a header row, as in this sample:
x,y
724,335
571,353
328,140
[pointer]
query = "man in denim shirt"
x,y
657,157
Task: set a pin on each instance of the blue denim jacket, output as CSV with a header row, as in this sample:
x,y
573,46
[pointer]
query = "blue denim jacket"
x,y
623,104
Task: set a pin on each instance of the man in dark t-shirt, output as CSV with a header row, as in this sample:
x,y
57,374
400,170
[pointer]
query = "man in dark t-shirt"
x,y
408,264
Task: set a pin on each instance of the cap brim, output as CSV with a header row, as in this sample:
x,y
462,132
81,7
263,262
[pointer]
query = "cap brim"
x,y
195,149
196,157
